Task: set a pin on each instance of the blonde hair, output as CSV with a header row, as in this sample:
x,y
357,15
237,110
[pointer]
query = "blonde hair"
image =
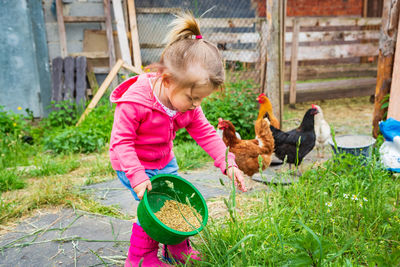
x,y
189,59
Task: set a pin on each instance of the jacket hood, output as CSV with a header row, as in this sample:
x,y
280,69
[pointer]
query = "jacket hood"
x,y
136,89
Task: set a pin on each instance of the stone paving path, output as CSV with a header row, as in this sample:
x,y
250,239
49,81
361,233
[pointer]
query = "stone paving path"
x,y
76,238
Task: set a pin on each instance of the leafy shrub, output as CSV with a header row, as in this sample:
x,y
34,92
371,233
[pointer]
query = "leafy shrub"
x,y
11,123
91,135
237,103
62,114
75,139
13,129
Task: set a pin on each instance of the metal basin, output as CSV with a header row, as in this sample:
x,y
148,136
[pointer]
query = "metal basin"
x,y
353,144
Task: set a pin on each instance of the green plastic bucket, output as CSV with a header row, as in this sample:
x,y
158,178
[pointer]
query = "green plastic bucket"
x,y
169,187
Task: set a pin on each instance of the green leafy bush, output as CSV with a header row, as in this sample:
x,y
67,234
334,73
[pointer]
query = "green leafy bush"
x,y
62,114
75,139
237,103
91,135
13,129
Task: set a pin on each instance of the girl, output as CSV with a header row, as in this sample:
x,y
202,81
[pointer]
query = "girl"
x,y
150,109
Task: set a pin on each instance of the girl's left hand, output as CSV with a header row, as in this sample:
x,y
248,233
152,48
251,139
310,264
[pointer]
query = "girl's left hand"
x,y
239,179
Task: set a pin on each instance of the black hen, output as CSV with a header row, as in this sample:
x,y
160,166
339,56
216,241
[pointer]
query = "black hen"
x,y
301,138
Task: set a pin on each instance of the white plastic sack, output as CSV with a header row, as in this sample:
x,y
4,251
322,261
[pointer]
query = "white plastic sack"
x,y
390,154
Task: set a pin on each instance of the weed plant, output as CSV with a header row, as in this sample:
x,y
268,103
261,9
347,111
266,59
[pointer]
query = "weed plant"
x,y
344,212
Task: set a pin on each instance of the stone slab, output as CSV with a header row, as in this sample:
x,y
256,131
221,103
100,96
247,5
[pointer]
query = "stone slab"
x,y
66,238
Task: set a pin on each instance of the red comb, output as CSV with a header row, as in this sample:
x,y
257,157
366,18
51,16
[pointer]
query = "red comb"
x,y
262,94
313,106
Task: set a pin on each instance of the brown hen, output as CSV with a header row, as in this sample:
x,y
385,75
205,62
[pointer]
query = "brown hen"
x,y
247,151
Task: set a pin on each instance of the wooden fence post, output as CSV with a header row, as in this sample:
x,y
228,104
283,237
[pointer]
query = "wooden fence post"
x,y
263,53
294,62
137,59
390,17
394,100
274,80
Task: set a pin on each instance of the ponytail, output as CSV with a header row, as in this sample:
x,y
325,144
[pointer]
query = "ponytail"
x,y
185,49
183,27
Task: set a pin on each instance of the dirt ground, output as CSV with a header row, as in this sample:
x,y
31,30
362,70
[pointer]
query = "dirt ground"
x,y
346,116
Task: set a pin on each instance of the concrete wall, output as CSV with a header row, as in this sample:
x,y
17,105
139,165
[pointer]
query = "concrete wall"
x,y
24,75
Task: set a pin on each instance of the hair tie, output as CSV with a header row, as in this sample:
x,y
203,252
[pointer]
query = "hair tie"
x,y
197,36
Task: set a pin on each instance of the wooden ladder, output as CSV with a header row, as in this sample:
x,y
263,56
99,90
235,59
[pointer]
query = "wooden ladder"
x,y
61,20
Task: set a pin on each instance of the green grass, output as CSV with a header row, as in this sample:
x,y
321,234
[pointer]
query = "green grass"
x,y
190,155
46,165
342,213
10,179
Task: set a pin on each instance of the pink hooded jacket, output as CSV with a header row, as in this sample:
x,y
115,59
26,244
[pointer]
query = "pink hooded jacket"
x,y
142,132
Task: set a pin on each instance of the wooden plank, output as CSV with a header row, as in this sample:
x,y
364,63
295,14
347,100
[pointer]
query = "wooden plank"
x,y
137,58
333,71
227,22
334,21
110,77
365,8
80,83
333,90
96,41
323,36
335,51
158,10
56,79
122,38
132,69
394,100
109,33
85,19
61,29
98,54
293,68
69,78
227,37
92,81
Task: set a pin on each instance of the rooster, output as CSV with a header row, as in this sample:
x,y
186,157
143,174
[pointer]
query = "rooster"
x,y
266,107
247,151
301,139
322,131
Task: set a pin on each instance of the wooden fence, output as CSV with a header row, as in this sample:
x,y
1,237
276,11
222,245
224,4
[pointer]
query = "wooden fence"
x,y
321,48
316,48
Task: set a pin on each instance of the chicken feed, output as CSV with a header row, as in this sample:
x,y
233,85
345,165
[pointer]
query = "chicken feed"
x,y
178,216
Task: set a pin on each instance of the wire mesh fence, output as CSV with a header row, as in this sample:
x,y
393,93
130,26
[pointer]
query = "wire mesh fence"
x,y
231,25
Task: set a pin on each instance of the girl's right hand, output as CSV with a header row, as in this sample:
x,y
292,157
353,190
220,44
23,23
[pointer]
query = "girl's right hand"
x,y
141,188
